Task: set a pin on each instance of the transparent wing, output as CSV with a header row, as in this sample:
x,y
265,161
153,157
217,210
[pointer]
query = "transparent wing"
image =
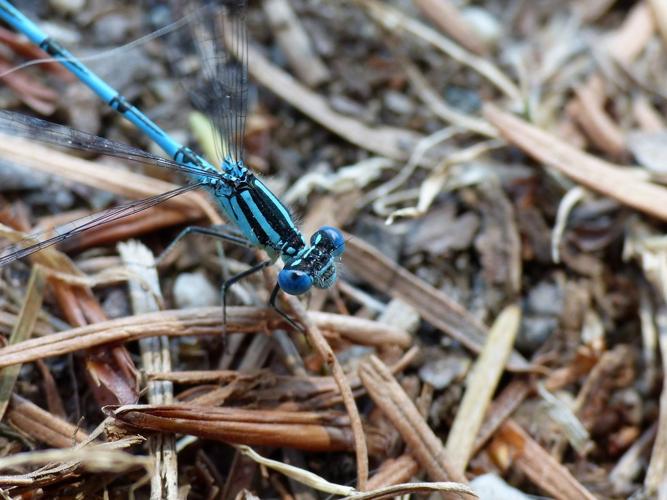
x,y
16,124
219,38
39,241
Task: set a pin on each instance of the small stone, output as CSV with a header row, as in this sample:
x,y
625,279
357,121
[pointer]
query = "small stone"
x,y
442,372
535,330
194,290
66,36
486,26
546,298
490,487
398,103
83,108
347,106
112,30
17,177
649,149
65,7
116,304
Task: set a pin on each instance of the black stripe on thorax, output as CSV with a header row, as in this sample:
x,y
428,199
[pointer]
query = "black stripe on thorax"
x,y
275,218
256,227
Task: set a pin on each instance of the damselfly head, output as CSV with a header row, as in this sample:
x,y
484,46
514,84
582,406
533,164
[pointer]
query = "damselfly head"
x,y
315,265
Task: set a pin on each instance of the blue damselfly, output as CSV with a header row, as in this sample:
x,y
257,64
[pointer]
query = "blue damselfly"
x,y
245,200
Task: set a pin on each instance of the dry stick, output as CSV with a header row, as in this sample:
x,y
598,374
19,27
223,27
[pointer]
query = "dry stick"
x,y
654,482
659,8
438,309
392,142
306,430
22,330
294,42
144,293
480,386
394,470
393,20
447,489
623,45
447,16
604,133
42,425
443,110
541,468
390,397
501,409
173,323
606,178
326,353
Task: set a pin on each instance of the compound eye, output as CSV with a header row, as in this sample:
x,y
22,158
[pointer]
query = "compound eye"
x,y
294,282
333,236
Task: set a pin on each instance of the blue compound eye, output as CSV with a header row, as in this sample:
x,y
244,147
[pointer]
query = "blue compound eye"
x,y
294,282
333,236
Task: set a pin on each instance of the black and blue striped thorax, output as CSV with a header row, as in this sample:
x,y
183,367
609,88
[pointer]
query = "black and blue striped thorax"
x,y
249,204
267,223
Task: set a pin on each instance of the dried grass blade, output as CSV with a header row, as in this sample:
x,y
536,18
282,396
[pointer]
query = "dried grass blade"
x,y
327,355
303,476
438,309
543,469
172,323
95,459
391,142
22,330
145,295
657,468
394,19
399,490
480,386
302,430
601,176
41,425
390,397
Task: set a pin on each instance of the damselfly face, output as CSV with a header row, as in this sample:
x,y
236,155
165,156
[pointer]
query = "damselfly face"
x,y
314,265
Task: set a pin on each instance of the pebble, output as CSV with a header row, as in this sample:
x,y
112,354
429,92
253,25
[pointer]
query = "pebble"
x,y
16,177
65,36
486,26
535,330
398,102
65,7
116,304
82,108
349,107
112,30
194,290
440,373
649,149
546,298
491,487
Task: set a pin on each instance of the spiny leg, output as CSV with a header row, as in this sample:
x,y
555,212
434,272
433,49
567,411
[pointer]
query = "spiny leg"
x,y
283,314
234,279
216,233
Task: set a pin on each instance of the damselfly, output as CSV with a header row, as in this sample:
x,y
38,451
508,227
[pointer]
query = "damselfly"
x,y
246,201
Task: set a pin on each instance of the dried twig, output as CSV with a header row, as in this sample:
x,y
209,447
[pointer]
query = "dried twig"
x,y
424,444
594,173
